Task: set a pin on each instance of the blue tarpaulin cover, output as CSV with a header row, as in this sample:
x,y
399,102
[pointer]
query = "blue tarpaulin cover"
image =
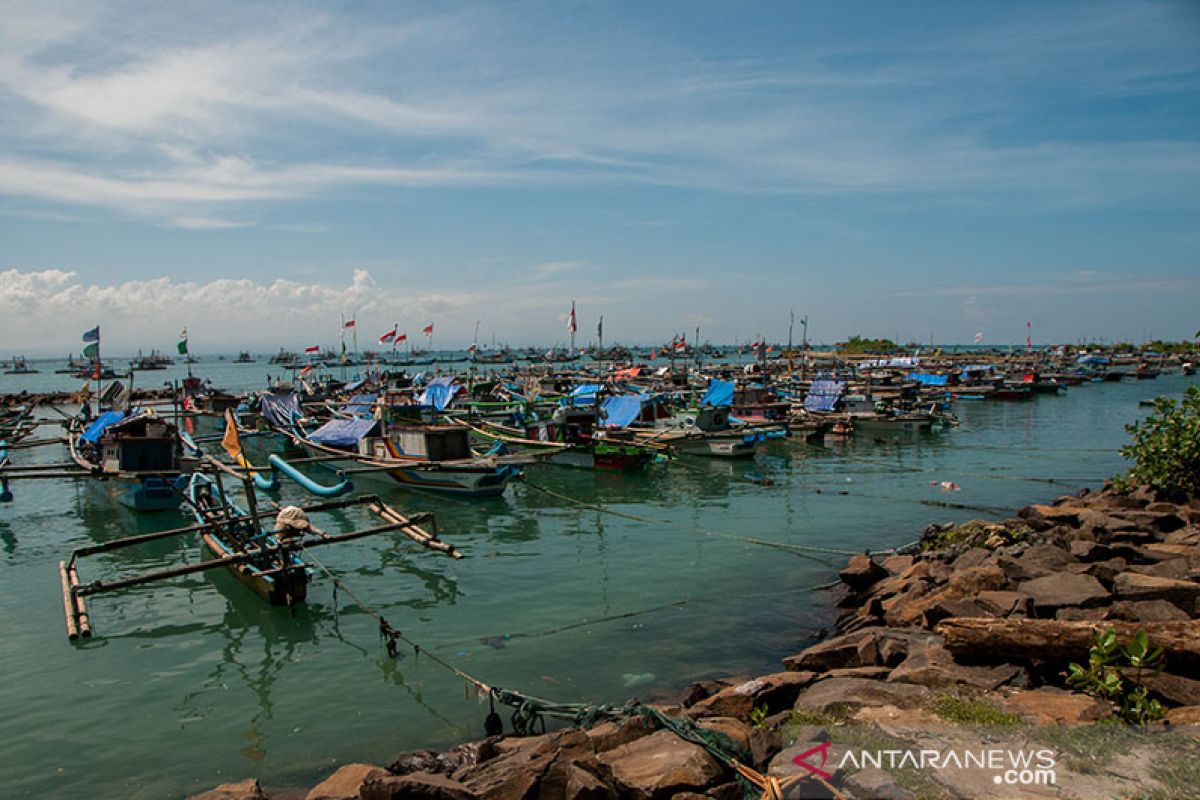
x,y
720,393
823,395
343,432
622,410
439,393
100,425
1091,360
582,395
359,405
926,379
279,408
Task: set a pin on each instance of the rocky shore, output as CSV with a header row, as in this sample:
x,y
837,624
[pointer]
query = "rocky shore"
x,y
958,647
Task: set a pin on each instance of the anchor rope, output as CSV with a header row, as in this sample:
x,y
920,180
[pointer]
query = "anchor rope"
x,y
798,549
530,712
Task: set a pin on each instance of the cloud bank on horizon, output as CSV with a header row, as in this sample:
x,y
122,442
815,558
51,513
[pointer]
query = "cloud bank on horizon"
x,y
884,170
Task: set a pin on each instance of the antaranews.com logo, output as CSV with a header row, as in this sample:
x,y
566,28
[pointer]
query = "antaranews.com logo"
x,y
1010,767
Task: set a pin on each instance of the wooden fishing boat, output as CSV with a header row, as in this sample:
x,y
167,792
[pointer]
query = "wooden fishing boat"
x,y
432,458
572,441
268,560
20,367
138,457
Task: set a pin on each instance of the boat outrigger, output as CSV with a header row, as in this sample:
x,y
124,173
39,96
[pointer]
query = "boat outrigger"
x,y
267,559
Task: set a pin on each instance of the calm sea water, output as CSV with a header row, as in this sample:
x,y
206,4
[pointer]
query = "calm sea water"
x,y
193,682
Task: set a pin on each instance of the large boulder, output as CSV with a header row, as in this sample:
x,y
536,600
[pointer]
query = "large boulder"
x,y
346,783
1042,517
1052,592
1175,689
517,768
840,651
776,691
962,584
852,693
659,766
416,786
860,572
1049,706
243,790
571,780
932,666
1135,586
1147,611
876,784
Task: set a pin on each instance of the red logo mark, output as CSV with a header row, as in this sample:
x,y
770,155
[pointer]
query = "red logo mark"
x,y
823,749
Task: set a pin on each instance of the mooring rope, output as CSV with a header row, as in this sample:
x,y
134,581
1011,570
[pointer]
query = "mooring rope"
x,y
530,712
797,549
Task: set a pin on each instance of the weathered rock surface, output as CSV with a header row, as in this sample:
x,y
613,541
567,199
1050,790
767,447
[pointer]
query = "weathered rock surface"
x,y
243,790
416,786
346,782
850,693
659,766
1049,706
1052,592
776,691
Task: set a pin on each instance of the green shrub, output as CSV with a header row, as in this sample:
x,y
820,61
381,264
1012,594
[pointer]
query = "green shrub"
x,y
1102,676
1166,448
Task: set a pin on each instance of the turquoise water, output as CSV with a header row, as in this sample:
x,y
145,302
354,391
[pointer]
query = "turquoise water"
x,y
195,681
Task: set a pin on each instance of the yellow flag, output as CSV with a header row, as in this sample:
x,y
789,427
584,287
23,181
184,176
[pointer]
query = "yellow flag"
x,y
230,441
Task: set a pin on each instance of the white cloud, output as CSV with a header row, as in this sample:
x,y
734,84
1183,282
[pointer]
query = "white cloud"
x,y
181,117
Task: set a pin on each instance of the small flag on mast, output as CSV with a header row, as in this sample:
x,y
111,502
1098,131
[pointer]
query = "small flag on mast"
x,y
402,337
978,337
349,323
183,342
316,348
428,330
571,326
390,336
93,335
1029,335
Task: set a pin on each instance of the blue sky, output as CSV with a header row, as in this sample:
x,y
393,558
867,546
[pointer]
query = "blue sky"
x,y
253,170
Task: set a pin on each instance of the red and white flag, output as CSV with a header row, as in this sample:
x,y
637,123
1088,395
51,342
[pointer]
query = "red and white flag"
x,y
681,343
471,349
348,323
571,326
653,353
390,336
1029,335
403,337
316,348
306,370
428,330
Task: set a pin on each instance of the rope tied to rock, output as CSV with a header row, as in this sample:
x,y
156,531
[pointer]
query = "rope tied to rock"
x,y
530,713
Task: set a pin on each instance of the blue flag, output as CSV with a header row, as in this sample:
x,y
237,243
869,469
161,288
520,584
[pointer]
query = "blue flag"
x,y
93,335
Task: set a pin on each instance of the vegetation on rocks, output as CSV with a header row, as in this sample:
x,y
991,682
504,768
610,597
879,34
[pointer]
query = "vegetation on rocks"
x,y
976,533
972,712
1102,679
1166,449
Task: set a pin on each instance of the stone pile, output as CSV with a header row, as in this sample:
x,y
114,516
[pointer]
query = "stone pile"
x,y
985,615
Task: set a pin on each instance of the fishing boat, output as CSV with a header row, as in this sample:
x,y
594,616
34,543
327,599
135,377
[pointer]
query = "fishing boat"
x,y
284,358
265,558
74,365
244,358
432,458
20,367
152,362
137,455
